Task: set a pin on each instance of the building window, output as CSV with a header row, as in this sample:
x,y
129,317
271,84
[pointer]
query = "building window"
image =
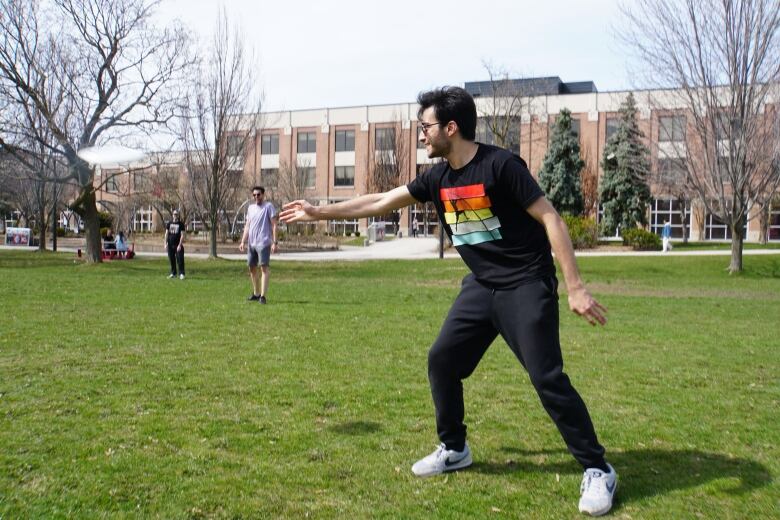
x,y
613,123
344,176
142,219
112,186
727,128
671,171
716,229
307,142
385,139
671,129
575,127
307,176
669,210
345,140
484,133
427,219
235,145
269,177
269,144
774,221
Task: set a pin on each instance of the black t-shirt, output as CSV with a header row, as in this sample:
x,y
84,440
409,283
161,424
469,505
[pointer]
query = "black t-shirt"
x,y
174,232
482,206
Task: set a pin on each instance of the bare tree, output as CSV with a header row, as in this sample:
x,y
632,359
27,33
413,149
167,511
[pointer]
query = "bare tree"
x,y
292,181
590,183
390,164
502,107
33,177
215,129
163,186
94,69
721,59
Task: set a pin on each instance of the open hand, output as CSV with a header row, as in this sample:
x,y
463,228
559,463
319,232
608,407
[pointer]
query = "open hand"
x,y
297,211
583,304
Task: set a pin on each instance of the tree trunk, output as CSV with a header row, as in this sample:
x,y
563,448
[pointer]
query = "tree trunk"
x,y
213,240
41,229
737,241
55,224
91,225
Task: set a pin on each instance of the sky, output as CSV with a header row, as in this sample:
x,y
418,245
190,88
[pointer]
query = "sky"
x,y
336,53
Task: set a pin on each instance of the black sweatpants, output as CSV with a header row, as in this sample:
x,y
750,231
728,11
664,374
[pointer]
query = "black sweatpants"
x,y
527,319
176,258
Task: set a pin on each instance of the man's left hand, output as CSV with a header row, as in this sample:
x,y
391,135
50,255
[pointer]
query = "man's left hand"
x,y
582,303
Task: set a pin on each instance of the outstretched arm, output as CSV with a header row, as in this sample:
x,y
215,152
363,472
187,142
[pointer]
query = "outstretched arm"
x,y
370,205
580,300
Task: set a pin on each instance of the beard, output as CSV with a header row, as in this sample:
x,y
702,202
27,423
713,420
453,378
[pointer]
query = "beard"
x,y
440,148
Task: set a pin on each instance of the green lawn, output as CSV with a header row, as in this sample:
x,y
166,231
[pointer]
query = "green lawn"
x,y
124,394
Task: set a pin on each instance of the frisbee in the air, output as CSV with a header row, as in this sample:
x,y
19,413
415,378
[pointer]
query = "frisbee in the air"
x,y
110,154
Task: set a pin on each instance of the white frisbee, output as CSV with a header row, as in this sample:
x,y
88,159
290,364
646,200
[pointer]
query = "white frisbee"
x,y
110,154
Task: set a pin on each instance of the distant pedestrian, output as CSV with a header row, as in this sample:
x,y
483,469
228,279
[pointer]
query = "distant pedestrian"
x,y
121,244
174,243
415,224
259,238
666,236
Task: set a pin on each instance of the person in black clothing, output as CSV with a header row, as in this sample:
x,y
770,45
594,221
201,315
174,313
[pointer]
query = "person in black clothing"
x,y
505,231
174,243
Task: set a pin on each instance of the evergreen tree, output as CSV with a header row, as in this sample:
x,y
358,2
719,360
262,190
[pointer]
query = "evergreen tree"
x,y
624,191
560,173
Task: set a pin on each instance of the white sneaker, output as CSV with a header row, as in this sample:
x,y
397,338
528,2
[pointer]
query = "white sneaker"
x,y
171,275
181,277
442,460
597,490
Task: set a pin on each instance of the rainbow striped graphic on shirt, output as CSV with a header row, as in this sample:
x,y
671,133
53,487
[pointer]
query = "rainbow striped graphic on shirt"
x,y
467,210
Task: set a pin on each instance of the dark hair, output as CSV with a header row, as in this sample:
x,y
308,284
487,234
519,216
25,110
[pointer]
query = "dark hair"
x,y
451,104
259,188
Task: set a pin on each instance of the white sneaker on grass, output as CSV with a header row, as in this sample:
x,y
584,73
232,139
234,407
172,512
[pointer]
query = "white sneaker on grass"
x,y
442,460
181,276
597,490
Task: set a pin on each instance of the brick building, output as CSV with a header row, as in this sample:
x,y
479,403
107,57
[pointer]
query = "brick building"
x,y
334,153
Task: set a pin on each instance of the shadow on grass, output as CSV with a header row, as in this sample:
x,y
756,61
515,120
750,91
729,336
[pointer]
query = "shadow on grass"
x,y
356,428
649,472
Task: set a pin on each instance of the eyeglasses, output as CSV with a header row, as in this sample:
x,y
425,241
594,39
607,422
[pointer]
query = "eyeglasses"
x,y
257,194
425,126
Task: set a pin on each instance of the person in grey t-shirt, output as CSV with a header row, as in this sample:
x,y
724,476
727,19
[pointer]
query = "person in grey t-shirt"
x,y
259,238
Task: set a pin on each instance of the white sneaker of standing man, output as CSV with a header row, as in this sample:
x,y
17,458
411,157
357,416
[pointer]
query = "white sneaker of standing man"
x,y
442,460
597,490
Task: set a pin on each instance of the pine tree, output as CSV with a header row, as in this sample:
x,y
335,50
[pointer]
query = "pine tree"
x,y
624,191
560,173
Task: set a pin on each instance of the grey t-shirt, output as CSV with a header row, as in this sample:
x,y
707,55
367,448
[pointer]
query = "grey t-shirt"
x,y
258,218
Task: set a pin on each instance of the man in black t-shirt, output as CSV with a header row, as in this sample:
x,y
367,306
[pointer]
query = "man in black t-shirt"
x,y
505,230
174,244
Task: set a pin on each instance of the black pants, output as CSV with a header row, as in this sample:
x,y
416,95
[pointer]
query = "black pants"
x,y
176,258
527,319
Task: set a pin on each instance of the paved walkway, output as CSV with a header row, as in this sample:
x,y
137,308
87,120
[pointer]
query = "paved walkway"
x,y
416,249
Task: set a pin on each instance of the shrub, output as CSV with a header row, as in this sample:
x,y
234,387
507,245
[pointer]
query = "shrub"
x,y
583,231
357,233
641,240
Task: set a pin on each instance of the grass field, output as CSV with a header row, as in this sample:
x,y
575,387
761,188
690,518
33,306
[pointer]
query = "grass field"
x,y
127,395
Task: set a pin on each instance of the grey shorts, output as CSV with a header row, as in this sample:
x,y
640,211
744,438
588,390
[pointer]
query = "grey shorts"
x,y
255,253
